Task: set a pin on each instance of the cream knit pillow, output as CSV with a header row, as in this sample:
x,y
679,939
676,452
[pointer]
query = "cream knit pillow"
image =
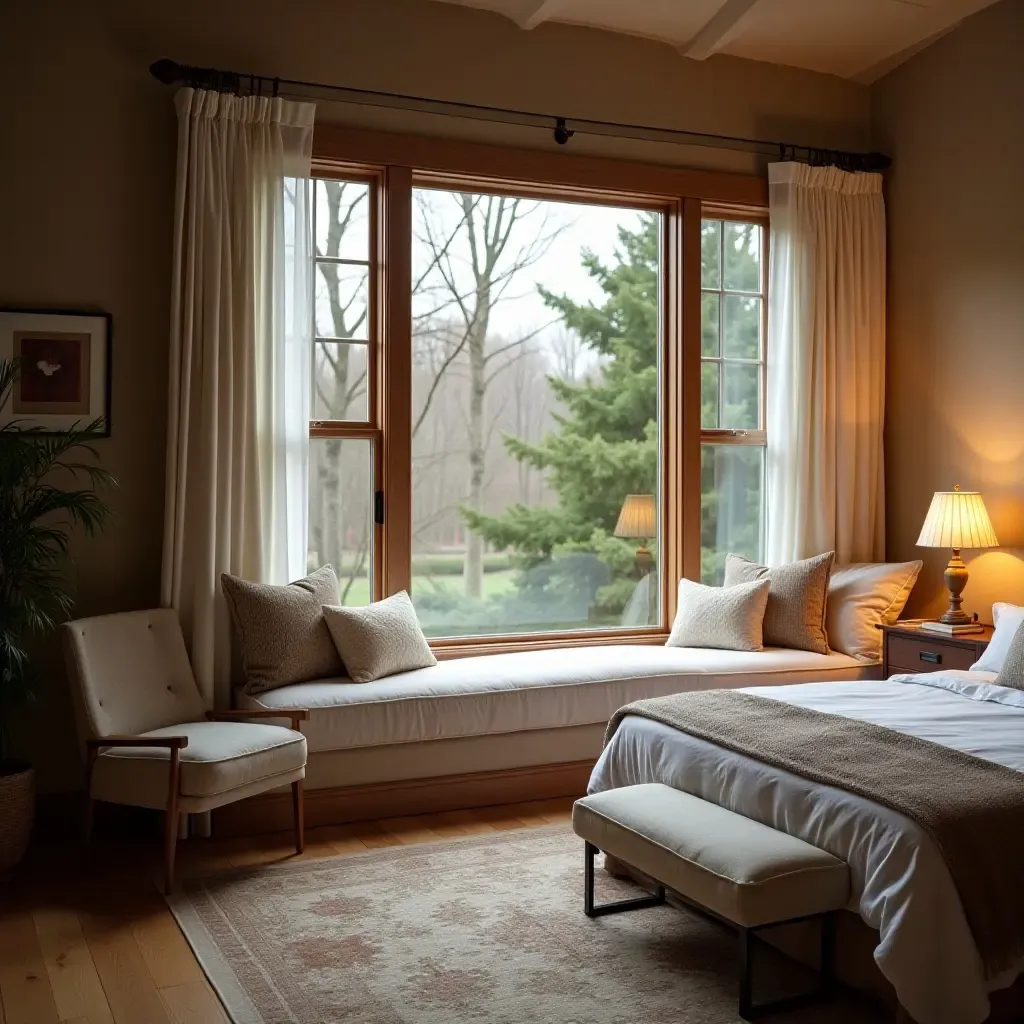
x,y
795,616
379,639
728,618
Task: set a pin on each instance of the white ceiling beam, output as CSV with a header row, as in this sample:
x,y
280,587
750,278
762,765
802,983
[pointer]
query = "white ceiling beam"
x,y
724,25
538,12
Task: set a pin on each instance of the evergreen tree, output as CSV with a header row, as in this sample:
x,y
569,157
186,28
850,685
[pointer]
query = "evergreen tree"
x,y
606,444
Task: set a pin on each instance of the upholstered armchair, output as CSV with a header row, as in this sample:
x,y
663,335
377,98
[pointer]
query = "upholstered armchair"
x,y
149,740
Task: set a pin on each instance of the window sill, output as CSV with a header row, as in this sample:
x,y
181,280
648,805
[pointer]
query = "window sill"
x,y
467,647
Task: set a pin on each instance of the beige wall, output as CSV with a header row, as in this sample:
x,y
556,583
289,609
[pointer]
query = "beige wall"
x,y
86,182
953,119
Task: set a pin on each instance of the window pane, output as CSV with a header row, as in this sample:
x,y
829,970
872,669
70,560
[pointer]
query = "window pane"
x,y
741,248
342,301
732,487
711,253
535,413
742,327
341,513
343,219
741,393
339,382
709,324
709,395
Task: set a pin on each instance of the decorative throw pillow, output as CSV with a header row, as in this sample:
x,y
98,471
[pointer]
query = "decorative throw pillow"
x,y
795,615
1012,672
728,618
863,597
379,639
1008,618
281,630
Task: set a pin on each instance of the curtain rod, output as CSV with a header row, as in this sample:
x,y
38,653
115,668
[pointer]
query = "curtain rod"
x,y
170,72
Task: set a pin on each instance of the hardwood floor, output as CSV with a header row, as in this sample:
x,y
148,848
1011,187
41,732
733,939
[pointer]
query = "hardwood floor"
x,y
91,941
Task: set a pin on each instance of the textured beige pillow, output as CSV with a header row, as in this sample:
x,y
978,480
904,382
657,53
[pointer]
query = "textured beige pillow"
x,y
795,615
1012,672
863,597
379,639
281,630
727,618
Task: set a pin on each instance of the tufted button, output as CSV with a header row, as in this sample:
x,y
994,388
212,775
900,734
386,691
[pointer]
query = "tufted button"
x,y
170,689
100,703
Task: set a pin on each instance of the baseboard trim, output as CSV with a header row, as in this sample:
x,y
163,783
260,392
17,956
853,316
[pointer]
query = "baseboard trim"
x,y
272,812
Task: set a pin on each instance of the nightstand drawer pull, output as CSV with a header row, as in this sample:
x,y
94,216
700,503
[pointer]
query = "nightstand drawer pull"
x,y
932,657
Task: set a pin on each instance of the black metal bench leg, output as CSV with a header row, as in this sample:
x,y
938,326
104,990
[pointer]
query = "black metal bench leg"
x,y
591,910
827,971
829,923
746,957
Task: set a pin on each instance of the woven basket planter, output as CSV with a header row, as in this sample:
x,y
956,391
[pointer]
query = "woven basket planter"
x,y
17,804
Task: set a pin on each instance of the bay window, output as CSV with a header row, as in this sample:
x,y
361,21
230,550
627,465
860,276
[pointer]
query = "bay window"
x,y
501,409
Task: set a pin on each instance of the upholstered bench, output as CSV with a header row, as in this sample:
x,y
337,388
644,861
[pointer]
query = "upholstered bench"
x,y
725,865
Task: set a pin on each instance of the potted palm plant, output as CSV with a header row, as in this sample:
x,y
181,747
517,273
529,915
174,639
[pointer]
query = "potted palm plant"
x,y
37,514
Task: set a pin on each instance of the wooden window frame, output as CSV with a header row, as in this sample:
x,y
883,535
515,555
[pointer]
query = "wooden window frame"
x,y
731,436
725,435
395,164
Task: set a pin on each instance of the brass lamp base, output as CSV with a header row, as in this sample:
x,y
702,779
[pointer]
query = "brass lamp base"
x,y
644,561
956,579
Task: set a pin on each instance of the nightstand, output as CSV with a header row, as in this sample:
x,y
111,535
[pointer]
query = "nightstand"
x,y
907,647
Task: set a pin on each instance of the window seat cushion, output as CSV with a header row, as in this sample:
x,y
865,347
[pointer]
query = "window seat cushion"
x,y
507,693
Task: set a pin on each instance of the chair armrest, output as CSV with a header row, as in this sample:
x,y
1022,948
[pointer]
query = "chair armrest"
x,y
173,742
295,714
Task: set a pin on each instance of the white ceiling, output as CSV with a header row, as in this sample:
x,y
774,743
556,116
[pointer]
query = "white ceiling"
x,y
855,39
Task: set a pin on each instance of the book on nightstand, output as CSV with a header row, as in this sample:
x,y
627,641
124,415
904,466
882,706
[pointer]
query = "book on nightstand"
x,y
943,627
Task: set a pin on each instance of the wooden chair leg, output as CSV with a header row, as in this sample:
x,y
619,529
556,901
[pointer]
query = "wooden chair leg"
x,y
171,819
298,813
90,804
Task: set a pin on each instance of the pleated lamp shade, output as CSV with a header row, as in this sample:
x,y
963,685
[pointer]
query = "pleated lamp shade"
x,y
637,517
957,519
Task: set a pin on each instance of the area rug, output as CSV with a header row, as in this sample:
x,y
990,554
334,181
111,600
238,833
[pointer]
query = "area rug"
x,y
481,929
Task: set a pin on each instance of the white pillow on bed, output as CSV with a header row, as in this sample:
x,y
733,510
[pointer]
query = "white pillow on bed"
x,y
862,597
1008,618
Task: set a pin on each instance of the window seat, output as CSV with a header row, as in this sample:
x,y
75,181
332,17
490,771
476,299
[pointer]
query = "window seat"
x,y
536,697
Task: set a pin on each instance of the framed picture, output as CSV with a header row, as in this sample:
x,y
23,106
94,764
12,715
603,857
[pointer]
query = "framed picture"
x,y
65,368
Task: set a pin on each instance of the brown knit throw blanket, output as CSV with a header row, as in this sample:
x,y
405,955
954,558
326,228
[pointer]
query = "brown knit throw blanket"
x,y
973,809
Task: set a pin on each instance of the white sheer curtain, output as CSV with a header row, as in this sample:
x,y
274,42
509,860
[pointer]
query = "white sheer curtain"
x,y
826,364
237,442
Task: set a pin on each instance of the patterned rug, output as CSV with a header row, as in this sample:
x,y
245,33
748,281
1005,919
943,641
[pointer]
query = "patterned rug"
x,y
482,929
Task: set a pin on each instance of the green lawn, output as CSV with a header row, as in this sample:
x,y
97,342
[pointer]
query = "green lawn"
x,y
494,583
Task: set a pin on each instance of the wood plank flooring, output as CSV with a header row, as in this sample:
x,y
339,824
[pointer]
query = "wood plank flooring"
x,y
92,941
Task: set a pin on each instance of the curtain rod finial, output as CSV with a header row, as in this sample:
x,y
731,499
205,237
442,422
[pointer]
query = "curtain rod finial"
x,y
166,70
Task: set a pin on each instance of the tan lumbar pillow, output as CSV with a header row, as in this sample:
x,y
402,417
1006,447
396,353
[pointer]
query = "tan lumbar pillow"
x,y
281,630
863,597
797,601
379,639
726,618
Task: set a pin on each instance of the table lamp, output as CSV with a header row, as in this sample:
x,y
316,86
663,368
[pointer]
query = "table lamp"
x,y
637,522
957,519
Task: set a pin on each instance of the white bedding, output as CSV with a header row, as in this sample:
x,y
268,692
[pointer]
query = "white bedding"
x,y
900,883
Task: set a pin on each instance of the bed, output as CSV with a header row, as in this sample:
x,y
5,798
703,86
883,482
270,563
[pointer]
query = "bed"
x,y
901,886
